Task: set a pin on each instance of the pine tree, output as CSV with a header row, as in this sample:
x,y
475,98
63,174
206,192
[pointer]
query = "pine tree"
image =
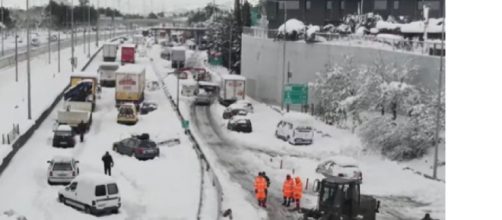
x,y
246,14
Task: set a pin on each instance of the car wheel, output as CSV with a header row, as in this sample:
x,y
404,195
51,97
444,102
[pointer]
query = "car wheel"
x,y
87,209
49,182
62,199
115,148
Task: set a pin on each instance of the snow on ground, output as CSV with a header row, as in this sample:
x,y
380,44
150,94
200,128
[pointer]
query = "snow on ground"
x,y
235,197
46,84
165,187
407,195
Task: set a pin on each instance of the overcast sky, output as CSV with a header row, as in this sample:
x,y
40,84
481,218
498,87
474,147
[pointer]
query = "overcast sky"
x,y
131,6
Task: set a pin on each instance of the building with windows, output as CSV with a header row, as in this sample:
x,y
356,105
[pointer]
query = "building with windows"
x,y
320,12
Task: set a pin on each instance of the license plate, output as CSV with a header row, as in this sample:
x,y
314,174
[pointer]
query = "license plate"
x,y
63,142
150,151
62,174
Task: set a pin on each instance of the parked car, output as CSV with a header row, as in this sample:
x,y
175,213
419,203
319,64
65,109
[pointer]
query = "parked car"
x,y
63,136
340,166
139,146
203,98
230,112
240,124
127,114
62,170
35,42
295,128
147,107
53,37
93,193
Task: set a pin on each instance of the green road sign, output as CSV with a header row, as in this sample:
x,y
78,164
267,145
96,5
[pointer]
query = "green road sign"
x,y
185,124
296,94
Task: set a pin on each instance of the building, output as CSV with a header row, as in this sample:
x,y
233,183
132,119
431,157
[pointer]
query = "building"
x,y
321,12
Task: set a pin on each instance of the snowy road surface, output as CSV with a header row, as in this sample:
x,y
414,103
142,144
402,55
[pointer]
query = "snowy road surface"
x,y
165,187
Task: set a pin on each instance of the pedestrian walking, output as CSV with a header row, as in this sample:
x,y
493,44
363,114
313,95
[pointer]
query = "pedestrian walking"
x,y
260,187
108,163
81,130
298,191
287,190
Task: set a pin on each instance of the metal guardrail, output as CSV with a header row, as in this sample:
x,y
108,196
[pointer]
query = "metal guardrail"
x,y
369,41
205,165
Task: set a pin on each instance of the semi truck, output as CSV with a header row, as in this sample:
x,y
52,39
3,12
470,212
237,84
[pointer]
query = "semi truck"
x,y
127,53
110,51
107,74
232,88
129,84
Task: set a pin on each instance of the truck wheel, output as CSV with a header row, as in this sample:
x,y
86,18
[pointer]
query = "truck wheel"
x,y
88,210
61,199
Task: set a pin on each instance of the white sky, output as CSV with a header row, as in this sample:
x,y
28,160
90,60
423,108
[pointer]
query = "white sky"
x,y
131,6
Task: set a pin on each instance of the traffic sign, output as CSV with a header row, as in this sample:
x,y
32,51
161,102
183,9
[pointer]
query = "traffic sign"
x,y
185,124
296,94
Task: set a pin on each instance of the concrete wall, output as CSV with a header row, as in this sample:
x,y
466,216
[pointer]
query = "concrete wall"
x,y
262,64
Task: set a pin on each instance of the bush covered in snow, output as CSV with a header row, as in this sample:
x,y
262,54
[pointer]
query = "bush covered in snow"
x,y
400,116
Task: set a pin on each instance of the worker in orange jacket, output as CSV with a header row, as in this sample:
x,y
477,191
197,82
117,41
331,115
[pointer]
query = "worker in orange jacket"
x,y
298,191
260,189
287,190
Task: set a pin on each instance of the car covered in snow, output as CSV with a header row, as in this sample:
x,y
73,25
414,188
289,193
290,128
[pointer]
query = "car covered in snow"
x,y
63,136
61,170
341,166
203,98
240,124
245,104
147,107
93,193
295,128
138,146
127,114
234,110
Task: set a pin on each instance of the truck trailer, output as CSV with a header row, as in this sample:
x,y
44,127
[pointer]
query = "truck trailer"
x,y
232,88
127,53
130,84
110,51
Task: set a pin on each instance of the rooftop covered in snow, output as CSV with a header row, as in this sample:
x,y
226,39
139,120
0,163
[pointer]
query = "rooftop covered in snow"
x,y
131,69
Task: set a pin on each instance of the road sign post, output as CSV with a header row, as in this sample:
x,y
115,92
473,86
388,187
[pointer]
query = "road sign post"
x,y
296,94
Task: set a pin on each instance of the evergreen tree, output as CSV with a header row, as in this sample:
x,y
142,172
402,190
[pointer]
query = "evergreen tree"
x,y
246,14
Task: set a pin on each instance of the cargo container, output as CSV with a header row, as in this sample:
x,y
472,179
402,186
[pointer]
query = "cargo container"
x,y
130,84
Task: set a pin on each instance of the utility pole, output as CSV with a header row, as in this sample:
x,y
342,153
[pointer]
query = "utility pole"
x,y
15,57
3,28
49,29
72,40
97,25
59,52
230,49
28,40
284,55
89,28
438,110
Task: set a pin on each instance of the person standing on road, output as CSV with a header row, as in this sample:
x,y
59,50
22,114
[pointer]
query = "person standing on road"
x,y
298,191
81,130
260,188
287,190
267,180
108,163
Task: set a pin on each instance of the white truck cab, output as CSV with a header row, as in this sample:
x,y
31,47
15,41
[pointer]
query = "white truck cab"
x,y
295,128
92,192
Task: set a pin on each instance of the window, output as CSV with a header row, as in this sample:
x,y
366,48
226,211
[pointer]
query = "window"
x,y
62,167
100,190
434,5
342,4
112,189
307,5
73,186
380,4
329,5
396,5
289,4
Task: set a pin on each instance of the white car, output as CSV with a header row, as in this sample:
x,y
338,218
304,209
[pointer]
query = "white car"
x,y
341,166
62,170
93,193
295,128
245,104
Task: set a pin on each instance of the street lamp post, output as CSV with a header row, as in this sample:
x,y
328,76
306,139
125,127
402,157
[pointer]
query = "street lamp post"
x,y
49,30
97,24
438,110
28,41
89,28
284,55
72,40
3,28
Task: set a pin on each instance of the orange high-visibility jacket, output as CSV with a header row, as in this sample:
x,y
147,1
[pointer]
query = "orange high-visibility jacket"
x,y
288,187
260,185
298,191
260,194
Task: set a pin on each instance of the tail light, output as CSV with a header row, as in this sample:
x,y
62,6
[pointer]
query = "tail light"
x,y
139,150
50,173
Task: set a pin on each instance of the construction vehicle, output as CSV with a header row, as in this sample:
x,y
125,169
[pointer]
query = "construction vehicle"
x,y
340,198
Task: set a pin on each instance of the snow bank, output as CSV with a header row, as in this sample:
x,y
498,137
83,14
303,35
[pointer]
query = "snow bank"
x,y
292,25
434,26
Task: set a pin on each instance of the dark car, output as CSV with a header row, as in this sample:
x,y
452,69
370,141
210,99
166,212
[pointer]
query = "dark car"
x,y
147,107
231,112
63,137
139,146
240,124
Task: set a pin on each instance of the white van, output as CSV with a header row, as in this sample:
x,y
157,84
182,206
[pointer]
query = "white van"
x,y
94,193
295,128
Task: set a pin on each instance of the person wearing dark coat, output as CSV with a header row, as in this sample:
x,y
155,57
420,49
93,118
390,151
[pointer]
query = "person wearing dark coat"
x,y
108,163
81,130
427,217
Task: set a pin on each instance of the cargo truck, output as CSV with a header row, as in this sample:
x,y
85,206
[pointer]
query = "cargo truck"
x,y
127,53
178,58
107,74
232,88
129,84
110,51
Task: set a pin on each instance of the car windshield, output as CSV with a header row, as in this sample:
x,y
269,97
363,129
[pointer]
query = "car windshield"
x,y
126,111
62,166
63,133
147,144
304,129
